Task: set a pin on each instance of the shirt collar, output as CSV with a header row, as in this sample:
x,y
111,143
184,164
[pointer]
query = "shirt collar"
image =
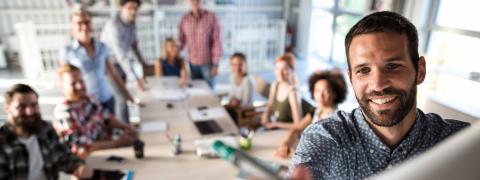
x,y
372,140
119,19
76,45
201,12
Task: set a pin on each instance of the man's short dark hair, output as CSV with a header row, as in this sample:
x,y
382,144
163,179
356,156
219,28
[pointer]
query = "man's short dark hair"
x,y
123,2
389,22
335,81
18,88
239,55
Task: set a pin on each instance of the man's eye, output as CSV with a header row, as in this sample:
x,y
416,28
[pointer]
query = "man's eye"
x,y
392,66
363,71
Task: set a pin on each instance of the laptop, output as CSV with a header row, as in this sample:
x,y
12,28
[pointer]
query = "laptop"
x,y
207,127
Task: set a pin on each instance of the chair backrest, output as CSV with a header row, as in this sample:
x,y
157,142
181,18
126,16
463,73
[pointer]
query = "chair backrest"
x,y
149,70
262,87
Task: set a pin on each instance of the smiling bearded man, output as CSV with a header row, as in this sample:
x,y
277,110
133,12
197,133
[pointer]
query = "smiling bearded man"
x,y
384,68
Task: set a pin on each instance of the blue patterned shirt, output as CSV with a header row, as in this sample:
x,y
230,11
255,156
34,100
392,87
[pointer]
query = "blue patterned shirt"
x,y
345,147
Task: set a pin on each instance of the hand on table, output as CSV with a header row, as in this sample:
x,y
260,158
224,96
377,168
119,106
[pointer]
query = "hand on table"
x,y
214,71
301,173
283,151
83,172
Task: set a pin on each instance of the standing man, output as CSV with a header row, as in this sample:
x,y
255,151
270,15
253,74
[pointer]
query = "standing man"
x,y
29,147
92,57
120,35
384,68
200,33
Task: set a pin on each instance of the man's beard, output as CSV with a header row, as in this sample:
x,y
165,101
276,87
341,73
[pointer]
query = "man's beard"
x,y
389,117
29,124
78,95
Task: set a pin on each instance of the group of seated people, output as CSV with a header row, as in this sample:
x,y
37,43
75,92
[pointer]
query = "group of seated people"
x,y
333,143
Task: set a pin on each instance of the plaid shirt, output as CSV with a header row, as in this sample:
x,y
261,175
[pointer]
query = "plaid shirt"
x,y
81,123
201,35
56,156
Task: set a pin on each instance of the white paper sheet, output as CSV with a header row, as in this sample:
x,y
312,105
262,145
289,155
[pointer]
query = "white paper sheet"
x,y
198,92
154,126
169,94
209,113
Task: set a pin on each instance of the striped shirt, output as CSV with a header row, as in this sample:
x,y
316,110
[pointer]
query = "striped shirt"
x,y
201,36
345,147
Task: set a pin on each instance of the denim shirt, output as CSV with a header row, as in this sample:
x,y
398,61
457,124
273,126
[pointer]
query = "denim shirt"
x,y
93,69
345,147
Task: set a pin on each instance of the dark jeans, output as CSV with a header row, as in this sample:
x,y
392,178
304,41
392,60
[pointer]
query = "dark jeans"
x,y
109,105
202,72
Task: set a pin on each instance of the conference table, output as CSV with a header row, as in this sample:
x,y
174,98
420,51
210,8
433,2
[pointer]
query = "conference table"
x,y
167,102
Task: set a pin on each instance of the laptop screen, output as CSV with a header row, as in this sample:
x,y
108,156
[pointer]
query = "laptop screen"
x,y
208,127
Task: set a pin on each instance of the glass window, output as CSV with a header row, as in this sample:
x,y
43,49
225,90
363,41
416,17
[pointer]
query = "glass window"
x,y
454,50
454,55
326,35
462,90
344,23
359,6
321,34
462,14
323,3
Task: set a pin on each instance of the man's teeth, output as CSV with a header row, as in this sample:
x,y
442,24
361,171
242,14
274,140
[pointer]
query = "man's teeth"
x,y
383,100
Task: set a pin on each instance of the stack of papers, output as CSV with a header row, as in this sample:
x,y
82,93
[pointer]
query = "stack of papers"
x,y
154,126
207,113
198,92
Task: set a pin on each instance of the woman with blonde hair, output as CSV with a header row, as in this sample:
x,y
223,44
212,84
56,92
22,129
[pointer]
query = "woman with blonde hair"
x,y
283,107
170,63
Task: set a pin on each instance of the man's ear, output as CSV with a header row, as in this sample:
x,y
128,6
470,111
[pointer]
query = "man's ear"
x,y
349,75
421,70
5,108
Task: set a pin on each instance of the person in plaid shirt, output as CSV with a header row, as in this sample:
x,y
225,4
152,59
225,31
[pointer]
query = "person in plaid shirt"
x,y
82,122
200,33
29,146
